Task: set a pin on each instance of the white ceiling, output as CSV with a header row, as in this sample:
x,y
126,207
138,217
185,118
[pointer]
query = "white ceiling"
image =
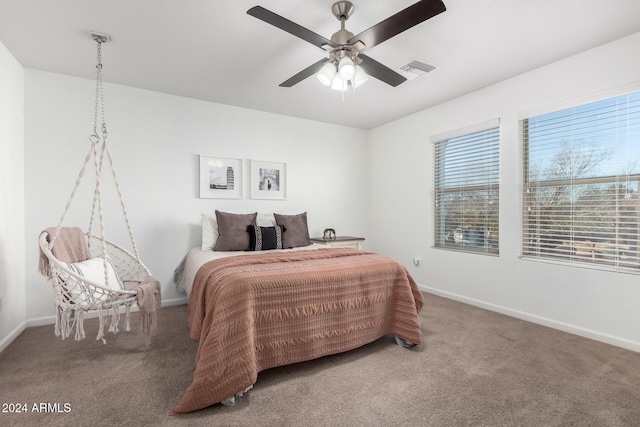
x,y
212,50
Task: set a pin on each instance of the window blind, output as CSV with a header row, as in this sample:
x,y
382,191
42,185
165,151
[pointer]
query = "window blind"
x,y
581,176
466,190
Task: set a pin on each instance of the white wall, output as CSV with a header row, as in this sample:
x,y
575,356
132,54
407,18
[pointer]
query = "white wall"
x,y
596,304
12,261
155,141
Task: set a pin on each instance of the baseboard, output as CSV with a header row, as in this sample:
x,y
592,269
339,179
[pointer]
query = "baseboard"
x,y
175,301
12,336
539,320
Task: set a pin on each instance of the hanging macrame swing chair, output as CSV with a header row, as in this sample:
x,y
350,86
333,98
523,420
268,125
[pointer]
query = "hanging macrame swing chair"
x,y
89,273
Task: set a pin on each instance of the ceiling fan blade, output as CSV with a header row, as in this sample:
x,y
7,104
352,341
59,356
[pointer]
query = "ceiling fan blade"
x,y
380,72
309,71
290,27
401,21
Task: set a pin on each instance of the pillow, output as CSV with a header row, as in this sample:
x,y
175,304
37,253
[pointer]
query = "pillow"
x,y
209,231
92,269
232,231
210,228
266,220
265,238
296,230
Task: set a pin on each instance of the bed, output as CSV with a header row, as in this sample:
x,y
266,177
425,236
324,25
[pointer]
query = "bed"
x,y
254,310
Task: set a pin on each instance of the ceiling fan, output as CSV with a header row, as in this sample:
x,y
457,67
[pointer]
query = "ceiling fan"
x,y
345,49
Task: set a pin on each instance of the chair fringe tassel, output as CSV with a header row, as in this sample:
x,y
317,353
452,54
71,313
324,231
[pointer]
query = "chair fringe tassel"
x,y
127,319
69,318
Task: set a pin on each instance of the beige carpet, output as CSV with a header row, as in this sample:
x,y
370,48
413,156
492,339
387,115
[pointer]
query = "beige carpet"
x,y
475,368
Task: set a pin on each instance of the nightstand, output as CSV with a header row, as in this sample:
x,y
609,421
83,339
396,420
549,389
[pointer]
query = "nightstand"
x,y
341,242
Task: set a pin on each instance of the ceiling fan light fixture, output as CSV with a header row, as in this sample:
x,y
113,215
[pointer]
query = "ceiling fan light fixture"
x,y
327,74
338,83
346,68
359,78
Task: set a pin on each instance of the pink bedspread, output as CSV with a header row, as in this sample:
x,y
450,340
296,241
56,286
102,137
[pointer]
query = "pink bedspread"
x,y
254,312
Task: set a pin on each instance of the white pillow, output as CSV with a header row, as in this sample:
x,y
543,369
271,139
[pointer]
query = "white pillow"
x,y
92,269
209,231
265,220
210,227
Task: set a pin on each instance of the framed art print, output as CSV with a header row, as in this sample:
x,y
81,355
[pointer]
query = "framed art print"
x,y
220,178
268,180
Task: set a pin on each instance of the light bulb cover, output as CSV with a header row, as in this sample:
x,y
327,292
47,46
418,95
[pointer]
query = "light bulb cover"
x,y
327,73
346,68
359,78
338,83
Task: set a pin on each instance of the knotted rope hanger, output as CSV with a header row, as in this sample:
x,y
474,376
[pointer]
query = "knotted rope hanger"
x,y
97,150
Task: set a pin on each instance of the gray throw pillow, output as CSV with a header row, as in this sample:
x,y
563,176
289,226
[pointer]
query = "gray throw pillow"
x,y
296,230
232,231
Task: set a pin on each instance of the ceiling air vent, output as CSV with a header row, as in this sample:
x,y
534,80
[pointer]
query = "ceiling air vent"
x,y
416,68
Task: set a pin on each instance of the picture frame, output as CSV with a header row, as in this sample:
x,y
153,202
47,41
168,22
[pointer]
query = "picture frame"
x,y
268,180
220,178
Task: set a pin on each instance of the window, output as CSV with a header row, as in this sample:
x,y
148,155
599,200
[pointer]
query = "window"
x,y
466,180
581,174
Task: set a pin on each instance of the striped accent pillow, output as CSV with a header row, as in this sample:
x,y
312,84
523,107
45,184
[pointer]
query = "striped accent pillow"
x,y
265,238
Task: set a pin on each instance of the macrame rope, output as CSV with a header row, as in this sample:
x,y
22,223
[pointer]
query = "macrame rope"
x,y
96,194
101,315
115,319
101,214
73,193
127,319
124,210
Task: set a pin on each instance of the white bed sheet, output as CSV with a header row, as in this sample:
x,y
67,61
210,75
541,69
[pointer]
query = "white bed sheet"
x,y
186,271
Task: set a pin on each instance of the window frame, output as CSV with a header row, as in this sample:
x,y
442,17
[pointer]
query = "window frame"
x,y
439,223
527,251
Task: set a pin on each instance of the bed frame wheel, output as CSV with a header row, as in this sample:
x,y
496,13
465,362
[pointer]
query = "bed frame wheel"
x,y
403,343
